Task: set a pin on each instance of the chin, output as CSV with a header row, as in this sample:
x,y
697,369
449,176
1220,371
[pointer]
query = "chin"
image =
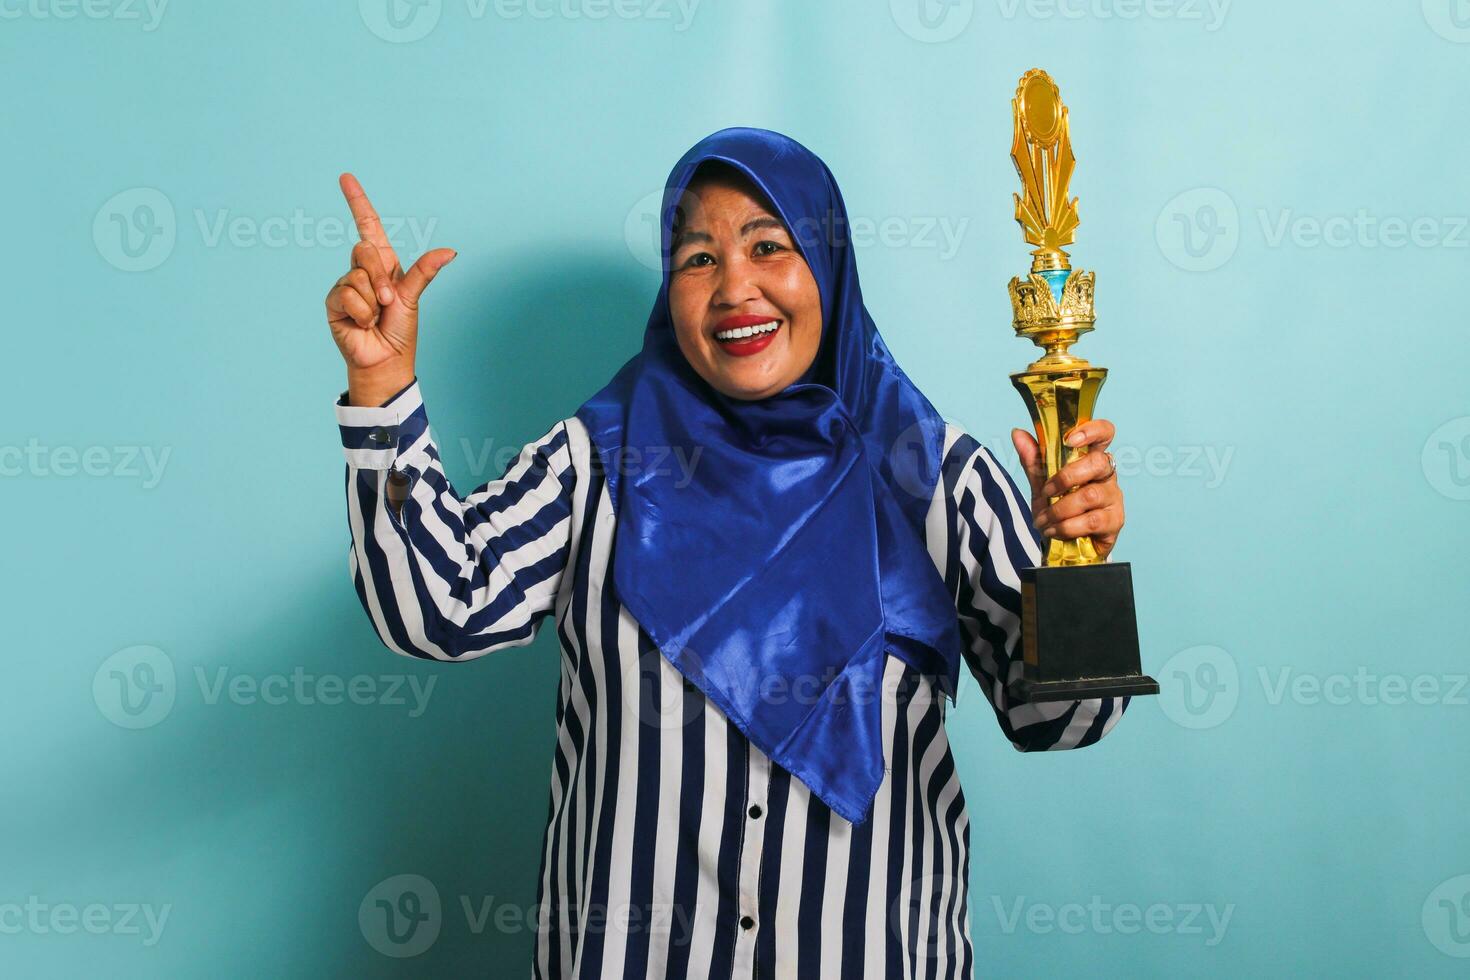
x,y
748,388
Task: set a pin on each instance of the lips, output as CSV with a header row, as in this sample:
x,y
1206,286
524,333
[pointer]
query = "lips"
x,y
745,335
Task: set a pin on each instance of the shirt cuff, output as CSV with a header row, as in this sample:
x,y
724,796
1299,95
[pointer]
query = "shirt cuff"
x,y
373,437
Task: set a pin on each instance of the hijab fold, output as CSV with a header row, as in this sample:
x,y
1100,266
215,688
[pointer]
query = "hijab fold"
x,y
779,572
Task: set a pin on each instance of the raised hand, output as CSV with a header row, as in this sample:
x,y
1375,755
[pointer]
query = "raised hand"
x,y
373,310
1089,501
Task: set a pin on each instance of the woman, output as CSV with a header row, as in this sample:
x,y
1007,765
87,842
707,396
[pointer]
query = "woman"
x,y
752,776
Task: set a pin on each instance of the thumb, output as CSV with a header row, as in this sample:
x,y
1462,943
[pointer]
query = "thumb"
x,y
421,273
1030,454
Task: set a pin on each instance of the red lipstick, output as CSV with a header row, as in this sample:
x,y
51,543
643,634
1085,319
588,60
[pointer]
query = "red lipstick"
x,y
746,346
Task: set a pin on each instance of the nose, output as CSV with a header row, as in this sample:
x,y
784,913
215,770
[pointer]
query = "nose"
x,y
736,283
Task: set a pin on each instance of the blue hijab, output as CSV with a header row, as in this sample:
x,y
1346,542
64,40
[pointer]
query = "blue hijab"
x,y
779,571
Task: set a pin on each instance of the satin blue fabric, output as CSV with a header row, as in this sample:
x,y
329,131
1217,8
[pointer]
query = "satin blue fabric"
x,y
779,574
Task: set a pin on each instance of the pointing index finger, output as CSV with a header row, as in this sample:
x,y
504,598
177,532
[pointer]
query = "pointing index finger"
x,y
369,228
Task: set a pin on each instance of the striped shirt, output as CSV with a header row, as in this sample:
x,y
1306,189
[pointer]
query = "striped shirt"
x,y
674,847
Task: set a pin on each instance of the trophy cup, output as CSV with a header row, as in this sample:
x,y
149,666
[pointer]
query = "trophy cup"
x,y
1078,630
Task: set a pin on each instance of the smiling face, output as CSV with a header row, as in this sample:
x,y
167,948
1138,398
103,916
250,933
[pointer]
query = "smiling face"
x,y
747,312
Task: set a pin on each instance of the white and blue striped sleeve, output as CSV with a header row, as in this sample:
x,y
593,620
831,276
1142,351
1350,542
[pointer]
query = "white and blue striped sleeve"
x,y
994,538
440,576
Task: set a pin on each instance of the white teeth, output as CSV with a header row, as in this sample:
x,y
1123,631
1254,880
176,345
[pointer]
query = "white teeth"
x,y
742,332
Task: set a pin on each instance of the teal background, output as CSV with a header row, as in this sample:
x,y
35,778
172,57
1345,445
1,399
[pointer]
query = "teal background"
x,y
1324,551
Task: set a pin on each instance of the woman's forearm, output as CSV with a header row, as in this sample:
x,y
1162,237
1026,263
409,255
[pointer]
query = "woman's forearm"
x,y
371,388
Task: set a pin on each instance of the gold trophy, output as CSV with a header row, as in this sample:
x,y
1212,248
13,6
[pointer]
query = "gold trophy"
x,y
1078,629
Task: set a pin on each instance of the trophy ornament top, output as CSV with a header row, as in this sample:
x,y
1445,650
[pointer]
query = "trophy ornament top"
x,y
1052,305
1042,152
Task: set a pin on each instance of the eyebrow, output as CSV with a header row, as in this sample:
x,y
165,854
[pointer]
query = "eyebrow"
x,y
764,221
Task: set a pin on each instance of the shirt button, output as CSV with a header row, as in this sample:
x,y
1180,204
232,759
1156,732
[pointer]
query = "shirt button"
x,y
755,810
746,922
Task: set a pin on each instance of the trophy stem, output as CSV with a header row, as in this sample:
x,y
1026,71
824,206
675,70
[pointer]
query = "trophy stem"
x,y
1058,401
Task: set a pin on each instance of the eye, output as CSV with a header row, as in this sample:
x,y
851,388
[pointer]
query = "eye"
x,y
697,259
768,247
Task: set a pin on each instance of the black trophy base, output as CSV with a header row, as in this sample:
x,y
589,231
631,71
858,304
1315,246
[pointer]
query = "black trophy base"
x,y
1095,687
1079,633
